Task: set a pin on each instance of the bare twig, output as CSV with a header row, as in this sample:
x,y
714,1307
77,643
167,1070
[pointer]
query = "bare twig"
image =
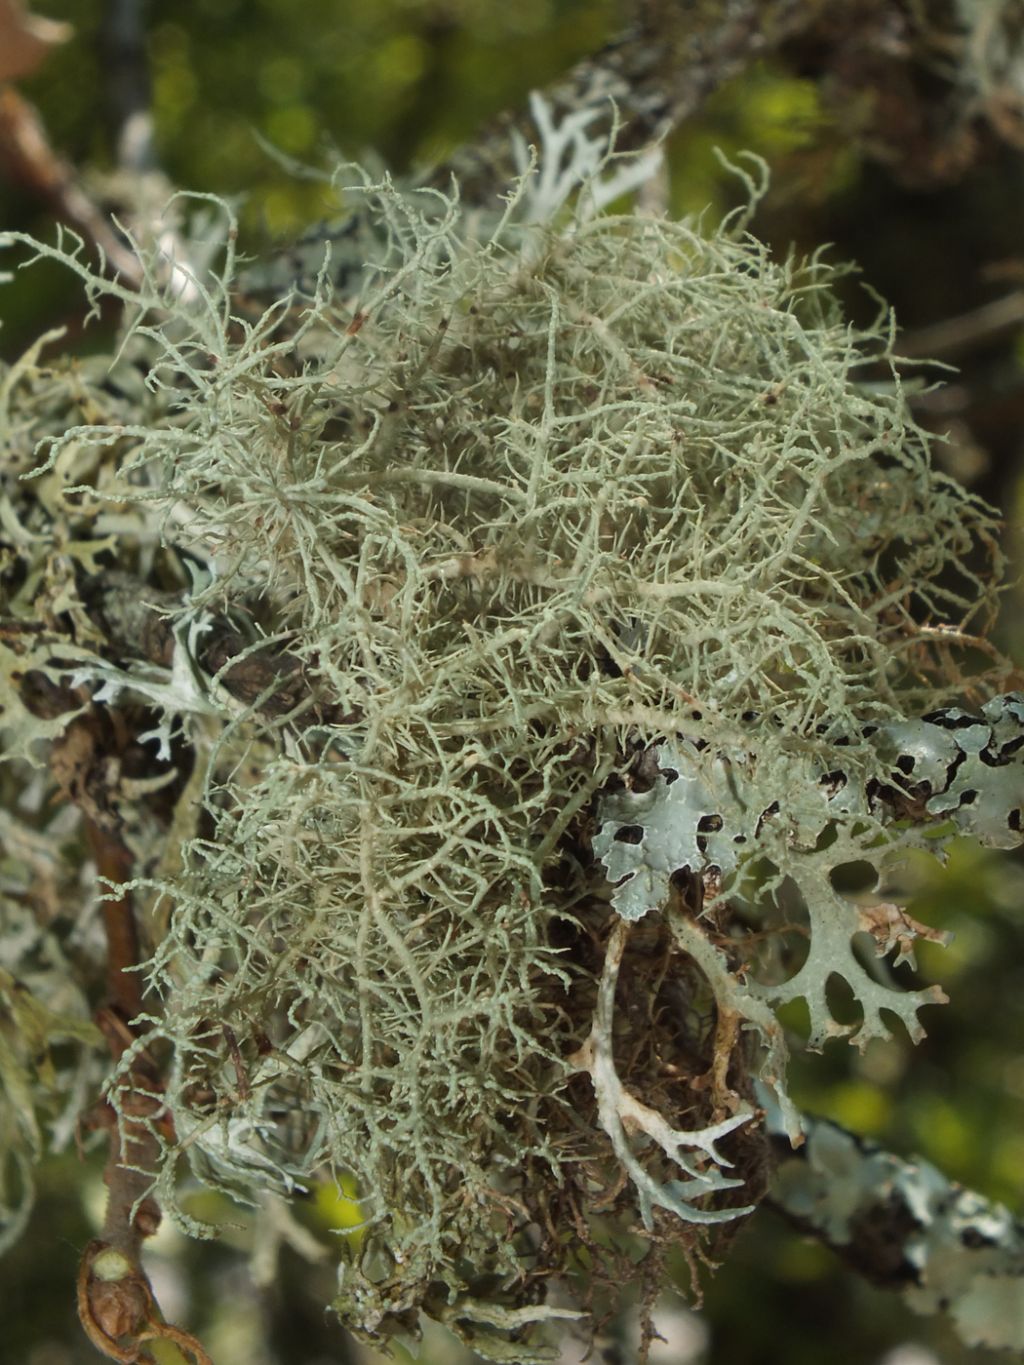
x,y
28,157
25,39
115,1301
128,88
113,863
978,327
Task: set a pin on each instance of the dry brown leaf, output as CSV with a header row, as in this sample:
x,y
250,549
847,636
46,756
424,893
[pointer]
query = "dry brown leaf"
x,y
890,926
25,39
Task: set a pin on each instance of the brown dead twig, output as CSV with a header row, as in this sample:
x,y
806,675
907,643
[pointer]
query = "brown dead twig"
x,y
25,39
29,158
26,153
115,1301
116,1305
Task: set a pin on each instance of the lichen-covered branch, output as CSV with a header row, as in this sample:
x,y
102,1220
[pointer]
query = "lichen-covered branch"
x,y
918,85
914,83
533,610
647,80
905,1226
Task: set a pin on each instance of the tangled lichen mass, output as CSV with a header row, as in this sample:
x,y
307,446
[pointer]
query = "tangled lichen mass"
x,y
523,503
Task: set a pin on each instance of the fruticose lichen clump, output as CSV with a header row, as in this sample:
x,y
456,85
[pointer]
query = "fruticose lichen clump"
x,y
533,498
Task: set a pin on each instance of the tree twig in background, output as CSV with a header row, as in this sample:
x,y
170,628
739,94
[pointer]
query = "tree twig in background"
x,y
25,39
128,87
27,156
114,865
979,327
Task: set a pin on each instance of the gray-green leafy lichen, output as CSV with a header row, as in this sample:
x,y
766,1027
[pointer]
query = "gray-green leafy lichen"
x,y
709,812
541,497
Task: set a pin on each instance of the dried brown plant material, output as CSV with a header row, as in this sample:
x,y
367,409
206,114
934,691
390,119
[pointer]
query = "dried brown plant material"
x,y
26,39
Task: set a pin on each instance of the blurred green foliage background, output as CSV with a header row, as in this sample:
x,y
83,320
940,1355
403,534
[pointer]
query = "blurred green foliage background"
x,y
409,79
